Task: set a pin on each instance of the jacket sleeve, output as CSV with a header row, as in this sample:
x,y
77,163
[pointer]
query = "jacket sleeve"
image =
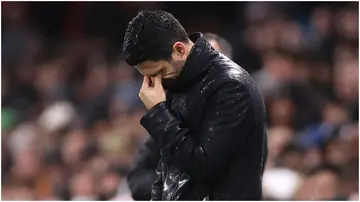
x,y
204,155
143,175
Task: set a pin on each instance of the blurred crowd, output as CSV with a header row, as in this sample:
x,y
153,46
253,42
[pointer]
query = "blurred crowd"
x,y
70,111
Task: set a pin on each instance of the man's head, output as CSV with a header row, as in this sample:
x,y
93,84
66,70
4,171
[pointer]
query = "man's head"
x,y
219,43
322,183
156,43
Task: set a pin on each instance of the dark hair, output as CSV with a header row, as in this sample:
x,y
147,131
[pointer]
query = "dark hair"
x,y
150,36
326,168
291,148
224,45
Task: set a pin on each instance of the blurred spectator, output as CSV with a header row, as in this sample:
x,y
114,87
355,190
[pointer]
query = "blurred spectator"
x,y
70,108
82,187
322,183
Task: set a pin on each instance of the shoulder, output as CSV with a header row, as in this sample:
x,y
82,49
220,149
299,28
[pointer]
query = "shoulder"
x,y
226,78
230,71
225,73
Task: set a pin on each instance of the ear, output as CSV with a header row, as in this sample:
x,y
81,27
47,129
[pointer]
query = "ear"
x,y
178,51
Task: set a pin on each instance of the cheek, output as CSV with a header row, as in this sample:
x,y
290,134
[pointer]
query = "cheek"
x,y
148,73
167,70
177,66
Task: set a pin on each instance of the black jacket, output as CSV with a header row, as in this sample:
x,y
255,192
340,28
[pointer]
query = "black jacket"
x,y
143,175
210,131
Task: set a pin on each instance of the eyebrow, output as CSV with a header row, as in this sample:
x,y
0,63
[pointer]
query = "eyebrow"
x,y
156,73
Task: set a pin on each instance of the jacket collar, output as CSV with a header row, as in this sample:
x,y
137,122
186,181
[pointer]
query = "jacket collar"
x,y
197,62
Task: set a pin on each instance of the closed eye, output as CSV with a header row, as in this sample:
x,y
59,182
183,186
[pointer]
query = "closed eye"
x,y
152,75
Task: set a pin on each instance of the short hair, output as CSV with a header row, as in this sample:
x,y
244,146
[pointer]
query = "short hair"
x,y
150,36
326,168
224,45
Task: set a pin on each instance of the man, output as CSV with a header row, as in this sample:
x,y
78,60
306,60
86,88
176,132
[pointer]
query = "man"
x,y
209,123
321,183
143,175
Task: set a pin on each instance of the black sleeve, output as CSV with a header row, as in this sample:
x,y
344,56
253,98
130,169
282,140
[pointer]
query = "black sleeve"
x,y
143,175
220,132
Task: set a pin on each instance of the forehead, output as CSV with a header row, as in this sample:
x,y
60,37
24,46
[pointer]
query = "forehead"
x,y
151,67
147,65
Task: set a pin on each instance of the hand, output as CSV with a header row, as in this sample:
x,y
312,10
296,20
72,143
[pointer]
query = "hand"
x,y
152,95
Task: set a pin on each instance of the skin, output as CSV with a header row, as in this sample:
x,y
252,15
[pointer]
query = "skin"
x,y
152,91
322,186
152,95
168,69
173,68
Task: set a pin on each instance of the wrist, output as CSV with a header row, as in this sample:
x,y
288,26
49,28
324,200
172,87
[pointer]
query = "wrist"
x,y
156,105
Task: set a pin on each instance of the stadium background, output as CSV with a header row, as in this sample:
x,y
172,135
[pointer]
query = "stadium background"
x,y
70,112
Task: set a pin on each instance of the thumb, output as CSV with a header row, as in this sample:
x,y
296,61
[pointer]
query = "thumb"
x,y
158,80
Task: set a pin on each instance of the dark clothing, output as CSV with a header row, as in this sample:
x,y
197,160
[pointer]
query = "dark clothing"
x,y
143,175
211,131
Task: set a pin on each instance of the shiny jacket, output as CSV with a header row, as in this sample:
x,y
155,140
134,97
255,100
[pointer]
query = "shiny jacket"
x,y
210,131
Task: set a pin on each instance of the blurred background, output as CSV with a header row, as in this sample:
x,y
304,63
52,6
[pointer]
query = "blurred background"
x,y
70,111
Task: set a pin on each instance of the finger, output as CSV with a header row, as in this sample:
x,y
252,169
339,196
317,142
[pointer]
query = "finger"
x,y
158,80
146,82
152,81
